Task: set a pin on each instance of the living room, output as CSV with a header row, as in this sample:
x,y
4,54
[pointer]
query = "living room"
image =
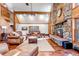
x,y
38,29
26,23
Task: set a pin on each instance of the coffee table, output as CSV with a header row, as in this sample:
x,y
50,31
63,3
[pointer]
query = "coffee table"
x,y
32,39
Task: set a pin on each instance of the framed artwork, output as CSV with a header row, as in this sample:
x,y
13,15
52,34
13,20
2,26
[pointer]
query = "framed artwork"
x,y
24,28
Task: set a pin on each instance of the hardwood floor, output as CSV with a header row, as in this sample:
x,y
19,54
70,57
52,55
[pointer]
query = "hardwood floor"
x,y
59,51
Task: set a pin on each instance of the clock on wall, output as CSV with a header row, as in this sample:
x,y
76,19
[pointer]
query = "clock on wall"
x,y
59,12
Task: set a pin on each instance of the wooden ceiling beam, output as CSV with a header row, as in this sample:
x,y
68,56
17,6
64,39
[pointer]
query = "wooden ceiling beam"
x,y
29,12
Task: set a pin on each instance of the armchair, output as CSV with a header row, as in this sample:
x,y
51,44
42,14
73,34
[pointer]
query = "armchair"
x,y
15,39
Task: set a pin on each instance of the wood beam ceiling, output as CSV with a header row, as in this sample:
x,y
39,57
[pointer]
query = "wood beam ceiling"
x,y
30,12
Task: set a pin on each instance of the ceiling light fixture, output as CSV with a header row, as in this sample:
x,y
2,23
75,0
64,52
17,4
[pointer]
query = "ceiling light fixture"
x,y
27,4
31,17
41,17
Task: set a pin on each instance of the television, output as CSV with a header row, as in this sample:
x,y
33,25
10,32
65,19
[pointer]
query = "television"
x,y
24,28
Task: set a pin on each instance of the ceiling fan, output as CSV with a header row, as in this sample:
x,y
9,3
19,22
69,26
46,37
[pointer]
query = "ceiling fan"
x,y
27,4
32,14
31,7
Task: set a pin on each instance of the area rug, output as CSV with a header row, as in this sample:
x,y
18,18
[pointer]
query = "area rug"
x,y
44,45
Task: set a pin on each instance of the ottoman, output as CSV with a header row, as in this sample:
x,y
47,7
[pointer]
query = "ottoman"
x,y
32,39
67,45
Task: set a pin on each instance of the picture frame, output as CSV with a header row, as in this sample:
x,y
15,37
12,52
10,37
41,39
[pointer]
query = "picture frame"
x,y
24,28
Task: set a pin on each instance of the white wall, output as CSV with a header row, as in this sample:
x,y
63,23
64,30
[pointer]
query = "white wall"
x,y
33,19
43,27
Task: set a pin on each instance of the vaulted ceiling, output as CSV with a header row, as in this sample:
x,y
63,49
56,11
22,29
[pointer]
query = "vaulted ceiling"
x,y
43,7
37,7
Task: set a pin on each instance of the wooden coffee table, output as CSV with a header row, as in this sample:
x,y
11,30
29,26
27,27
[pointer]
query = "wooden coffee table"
x,y
32,39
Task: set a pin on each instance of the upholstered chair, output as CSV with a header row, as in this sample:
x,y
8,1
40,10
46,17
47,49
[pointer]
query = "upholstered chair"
x,y
15,39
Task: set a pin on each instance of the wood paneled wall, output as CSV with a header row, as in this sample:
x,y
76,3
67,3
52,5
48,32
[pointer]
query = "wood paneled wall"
x,y
75,12
75,16
4,18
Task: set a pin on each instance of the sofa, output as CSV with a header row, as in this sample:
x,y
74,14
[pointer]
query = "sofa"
x,y
23,49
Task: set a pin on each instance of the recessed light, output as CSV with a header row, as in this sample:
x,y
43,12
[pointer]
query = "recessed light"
x,y
41,17
31,17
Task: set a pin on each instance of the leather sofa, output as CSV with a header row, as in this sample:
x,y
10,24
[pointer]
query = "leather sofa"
x,y
12,38
23,49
